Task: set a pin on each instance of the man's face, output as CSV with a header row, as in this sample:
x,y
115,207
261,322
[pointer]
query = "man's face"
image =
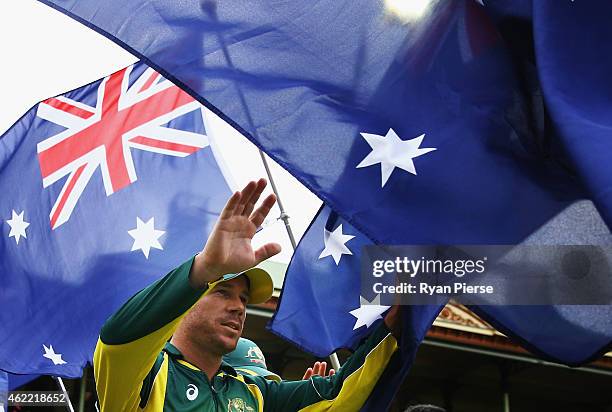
x,y
215,323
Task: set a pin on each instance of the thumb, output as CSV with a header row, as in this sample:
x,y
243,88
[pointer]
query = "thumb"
x,y
267,251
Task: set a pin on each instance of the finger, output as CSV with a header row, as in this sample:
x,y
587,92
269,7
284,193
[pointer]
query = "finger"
x,y
259,215
316,369
332,372
251,196
323,368
230,206
245,195
250,204
266,251
307,374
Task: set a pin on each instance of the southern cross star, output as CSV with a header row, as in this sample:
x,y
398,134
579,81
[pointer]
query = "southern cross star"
x,y
146,236
335,244
391,152
18,226
56,358
368,312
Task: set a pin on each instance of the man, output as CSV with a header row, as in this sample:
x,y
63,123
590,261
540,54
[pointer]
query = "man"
x,y
201,305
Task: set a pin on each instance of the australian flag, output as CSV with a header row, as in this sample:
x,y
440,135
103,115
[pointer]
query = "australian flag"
x,y
431,125
413,128
104,189
322,292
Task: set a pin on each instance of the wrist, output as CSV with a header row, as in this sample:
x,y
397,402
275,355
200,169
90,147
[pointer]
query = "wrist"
x,y
202,273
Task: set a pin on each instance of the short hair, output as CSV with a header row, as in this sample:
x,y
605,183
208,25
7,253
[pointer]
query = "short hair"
x,y
424,408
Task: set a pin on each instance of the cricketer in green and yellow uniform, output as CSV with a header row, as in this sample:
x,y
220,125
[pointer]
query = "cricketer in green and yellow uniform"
x,y
137,369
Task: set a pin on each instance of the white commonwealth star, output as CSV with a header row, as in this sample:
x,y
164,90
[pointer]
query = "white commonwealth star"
x,y
391,152
56,358
18,226
335,244
146,236
368,312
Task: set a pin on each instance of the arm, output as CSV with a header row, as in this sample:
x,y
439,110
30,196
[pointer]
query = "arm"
x,y
132,338
346,390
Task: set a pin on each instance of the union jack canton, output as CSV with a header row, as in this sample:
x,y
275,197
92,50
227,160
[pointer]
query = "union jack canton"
x,y
129,113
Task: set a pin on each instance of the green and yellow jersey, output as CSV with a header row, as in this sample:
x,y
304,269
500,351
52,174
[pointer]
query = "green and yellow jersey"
x,y
136,369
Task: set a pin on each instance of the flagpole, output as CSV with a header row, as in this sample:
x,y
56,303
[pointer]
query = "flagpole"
x,y
82,391
285,218
211,9
334,361
60,382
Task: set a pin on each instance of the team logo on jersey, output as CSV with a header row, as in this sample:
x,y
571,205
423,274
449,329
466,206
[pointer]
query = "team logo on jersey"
x,y
255,355
192,392
238,405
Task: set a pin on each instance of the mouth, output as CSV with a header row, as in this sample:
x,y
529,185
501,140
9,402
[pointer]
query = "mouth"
x,y
232,325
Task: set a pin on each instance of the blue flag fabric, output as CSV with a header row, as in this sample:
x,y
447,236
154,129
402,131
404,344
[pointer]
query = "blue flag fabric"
x,y
104,189
322,292
560,36
15,381
4,387
569,334
334,92
414,128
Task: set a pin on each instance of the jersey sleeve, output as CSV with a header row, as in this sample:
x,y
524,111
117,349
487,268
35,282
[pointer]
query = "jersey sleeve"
x,y
131,340
347,390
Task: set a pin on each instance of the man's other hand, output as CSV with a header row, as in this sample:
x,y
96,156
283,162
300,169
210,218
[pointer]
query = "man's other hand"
x,y
319,368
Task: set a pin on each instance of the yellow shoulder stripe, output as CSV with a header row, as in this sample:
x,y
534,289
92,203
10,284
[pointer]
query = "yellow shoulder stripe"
x,y
358,385
254,389
189,365
158,391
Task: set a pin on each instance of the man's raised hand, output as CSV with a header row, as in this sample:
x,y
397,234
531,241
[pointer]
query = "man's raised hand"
x,y
228,249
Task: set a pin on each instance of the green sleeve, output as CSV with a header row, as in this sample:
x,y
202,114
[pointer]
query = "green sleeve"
x,y
133,337
347,390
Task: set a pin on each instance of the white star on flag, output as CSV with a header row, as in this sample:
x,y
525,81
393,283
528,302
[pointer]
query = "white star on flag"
x,y
56,358
368,312
146,236
391,152
335,244
18,226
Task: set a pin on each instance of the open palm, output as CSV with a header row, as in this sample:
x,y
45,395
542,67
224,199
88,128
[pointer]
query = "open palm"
x,y
229,249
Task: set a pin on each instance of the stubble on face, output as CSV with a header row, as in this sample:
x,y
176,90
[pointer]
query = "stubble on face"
x,y
216,321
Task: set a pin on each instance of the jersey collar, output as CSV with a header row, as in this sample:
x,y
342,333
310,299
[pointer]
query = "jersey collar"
x,y
176,354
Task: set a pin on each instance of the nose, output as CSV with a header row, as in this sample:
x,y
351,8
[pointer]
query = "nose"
x,y
237,306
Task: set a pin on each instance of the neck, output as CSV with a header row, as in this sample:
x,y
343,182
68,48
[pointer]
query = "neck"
x,y
207,362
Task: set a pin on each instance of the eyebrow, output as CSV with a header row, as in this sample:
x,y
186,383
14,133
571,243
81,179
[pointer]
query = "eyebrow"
x,y
246,295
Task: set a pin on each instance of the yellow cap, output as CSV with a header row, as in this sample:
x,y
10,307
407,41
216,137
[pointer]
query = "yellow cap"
x,y
260,284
